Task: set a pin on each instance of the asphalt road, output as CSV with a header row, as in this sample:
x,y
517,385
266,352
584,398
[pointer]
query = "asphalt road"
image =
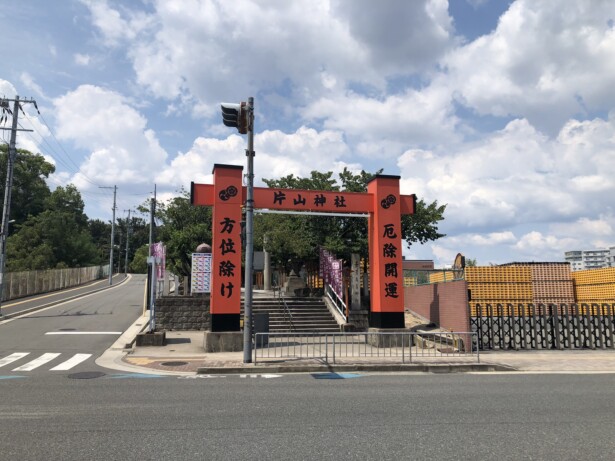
x,y
68,337
453,416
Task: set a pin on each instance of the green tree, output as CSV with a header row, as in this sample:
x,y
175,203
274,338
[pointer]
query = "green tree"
x,y
30,191
422,226
292,238
471,262
138,264
57,237
101,235
184,227
139,235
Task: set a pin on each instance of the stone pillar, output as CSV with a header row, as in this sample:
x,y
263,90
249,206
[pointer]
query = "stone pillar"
x,y
166,285
176,288
355,282
267,270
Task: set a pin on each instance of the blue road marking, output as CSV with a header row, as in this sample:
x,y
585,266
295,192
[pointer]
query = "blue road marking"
x,y
12,377
135,375
335,375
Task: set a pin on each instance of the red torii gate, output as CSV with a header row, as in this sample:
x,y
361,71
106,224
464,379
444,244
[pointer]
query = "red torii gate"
x,y
382,202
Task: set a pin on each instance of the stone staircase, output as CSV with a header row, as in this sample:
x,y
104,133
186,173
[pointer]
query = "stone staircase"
x,y
308,315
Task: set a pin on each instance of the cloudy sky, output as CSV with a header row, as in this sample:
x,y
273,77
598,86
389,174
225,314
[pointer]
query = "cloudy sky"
x,y
501,109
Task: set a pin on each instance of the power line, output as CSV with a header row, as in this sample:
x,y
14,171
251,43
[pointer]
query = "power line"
x,y
76,170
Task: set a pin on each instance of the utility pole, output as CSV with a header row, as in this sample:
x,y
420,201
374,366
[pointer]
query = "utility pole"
x,y
119,252
112,234
8,188
127,243
150,267
152,212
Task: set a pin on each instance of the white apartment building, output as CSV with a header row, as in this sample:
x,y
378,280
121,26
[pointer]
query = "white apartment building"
x,y
590,259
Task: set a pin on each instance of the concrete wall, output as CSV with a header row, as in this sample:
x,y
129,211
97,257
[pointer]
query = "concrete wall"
x,y
445,304
183,313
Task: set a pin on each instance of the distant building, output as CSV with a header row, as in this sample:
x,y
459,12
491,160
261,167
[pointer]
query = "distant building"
x,y
590,259
417,264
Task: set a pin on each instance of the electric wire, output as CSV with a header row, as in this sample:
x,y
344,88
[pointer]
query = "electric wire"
x,y
76,170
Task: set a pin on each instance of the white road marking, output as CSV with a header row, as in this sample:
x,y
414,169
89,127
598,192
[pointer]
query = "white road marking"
x,y
201,376
266,376
12,358
43,359
83,333
73,361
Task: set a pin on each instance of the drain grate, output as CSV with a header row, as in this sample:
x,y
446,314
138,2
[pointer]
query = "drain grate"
x,y
67,329
173,364
87,375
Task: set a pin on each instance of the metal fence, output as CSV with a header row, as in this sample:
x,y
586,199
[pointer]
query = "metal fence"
x,y
545,326
21,284
404,347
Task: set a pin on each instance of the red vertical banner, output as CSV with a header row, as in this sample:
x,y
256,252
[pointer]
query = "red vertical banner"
x,y
226,248
385,248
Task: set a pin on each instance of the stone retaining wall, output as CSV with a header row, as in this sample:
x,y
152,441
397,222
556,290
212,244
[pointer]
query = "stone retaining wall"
x,y
183,313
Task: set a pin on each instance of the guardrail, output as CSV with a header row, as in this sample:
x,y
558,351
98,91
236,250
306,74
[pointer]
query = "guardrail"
x,y
288,316
404,347
338,302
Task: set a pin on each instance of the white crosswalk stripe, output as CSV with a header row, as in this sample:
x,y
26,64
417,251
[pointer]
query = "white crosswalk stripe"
x,y
42,360
73,361
12,358
68,361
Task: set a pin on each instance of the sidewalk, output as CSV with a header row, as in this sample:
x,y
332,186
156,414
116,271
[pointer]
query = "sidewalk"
x,y
183,354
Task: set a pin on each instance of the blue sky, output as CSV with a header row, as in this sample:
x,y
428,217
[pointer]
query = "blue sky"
x,y
500,109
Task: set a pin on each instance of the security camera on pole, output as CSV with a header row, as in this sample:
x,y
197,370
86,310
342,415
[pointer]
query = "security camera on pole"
x,y
241,116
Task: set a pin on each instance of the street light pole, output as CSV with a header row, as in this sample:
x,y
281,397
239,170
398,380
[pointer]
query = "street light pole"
x,y
247,322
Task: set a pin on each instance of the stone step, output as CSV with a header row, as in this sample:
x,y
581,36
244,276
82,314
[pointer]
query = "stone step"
x,y
307,330
308,314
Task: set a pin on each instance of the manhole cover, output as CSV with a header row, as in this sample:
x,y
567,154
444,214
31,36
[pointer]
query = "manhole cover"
x,y
87,375
67,329
173,364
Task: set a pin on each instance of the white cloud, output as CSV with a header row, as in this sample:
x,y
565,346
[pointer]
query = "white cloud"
x,y
535,244
277,154
510,130
494,238
29,83
409,37
518,176
7,90
215,50
546,62
122,148
109,21
82,59
424,116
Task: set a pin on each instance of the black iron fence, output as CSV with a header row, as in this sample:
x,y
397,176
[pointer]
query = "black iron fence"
x,y
544,326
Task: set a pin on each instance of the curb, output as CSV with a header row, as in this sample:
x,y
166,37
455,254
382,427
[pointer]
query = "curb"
x,y
420,368
53,303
